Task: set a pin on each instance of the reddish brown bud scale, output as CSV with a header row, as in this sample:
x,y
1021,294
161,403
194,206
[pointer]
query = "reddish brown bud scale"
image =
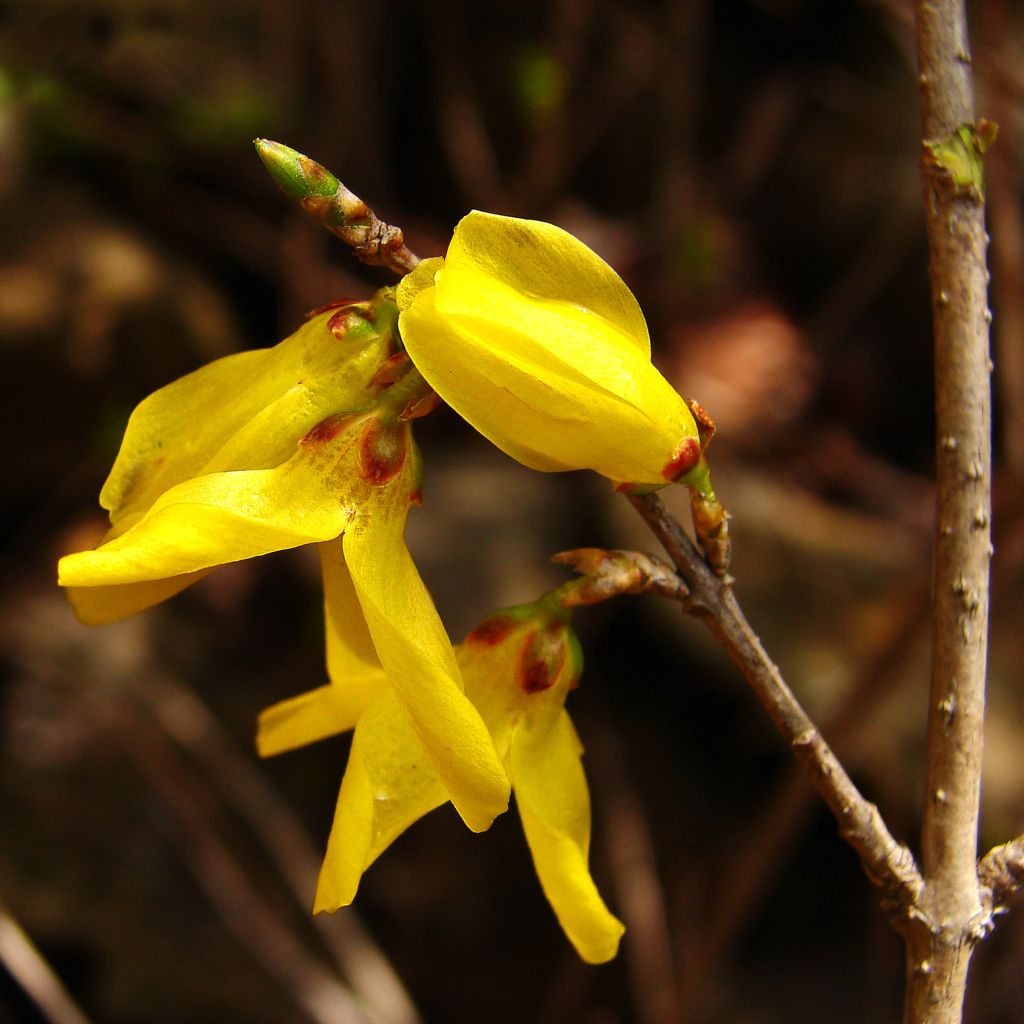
x,y
341,323
706,426
338,324
542,658
416,498
535,677
390,370
314,173
326,430
492,630
382,451
684,458
317,206
336,304
415,408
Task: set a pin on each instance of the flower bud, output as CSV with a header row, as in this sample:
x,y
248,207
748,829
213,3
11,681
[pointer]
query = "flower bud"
x,y
538,343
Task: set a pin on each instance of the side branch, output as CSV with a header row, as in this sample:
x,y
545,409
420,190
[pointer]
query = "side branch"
x,y
887,863
1001,873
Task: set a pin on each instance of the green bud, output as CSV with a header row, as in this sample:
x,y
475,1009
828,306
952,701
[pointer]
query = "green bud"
x,y
298,175
342,212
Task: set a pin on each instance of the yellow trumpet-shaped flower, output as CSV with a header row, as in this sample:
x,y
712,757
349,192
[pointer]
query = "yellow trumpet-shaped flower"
x,y
306,442
518,667
537,342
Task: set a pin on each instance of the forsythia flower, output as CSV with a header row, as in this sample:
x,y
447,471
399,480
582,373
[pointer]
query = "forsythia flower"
x,y
537,342
264,450
518,667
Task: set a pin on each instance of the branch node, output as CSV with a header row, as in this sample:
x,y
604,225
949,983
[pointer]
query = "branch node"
x,y
1001,874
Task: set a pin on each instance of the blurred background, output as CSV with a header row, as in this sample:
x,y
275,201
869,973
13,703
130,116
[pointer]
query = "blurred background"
x,y
750,167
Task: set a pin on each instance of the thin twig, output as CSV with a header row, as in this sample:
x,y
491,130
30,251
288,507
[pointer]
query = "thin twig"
x,y
638,886
753,864
552,141
460,119
887,863
606,574
23,961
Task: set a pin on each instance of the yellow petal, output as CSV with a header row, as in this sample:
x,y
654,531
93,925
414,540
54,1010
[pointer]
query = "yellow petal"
x,y
417,656
245,411
551,793
173,432
389,783
543,261
96,606
542,413
226,517
309,717
422,276
560,340
352,666
518,666
351,656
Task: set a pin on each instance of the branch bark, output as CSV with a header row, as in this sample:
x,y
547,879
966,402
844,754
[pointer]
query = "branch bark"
x,y
952,914
888,864
944,909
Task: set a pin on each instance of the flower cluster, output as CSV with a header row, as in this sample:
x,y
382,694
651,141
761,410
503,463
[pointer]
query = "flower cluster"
x,y
540,346
518,666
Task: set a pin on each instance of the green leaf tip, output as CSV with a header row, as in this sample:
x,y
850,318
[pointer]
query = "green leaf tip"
x,y
299,176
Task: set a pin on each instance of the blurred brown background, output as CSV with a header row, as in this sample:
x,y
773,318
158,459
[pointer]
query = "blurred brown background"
x,y
750,167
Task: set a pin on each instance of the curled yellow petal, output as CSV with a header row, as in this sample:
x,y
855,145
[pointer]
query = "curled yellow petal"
x,y
226,517
554,805
545,261
417,656
245,411
518,665
311,716
97,606
389,783
351,655
546,416
417,280
352,666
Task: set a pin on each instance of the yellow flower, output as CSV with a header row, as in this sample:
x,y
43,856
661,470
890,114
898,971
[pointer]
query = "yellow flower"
x,y
518,666
306,442
538,343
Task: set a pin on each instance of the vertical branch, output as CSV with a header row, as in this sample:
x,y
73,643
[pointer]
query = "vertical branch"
x,y
941,939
